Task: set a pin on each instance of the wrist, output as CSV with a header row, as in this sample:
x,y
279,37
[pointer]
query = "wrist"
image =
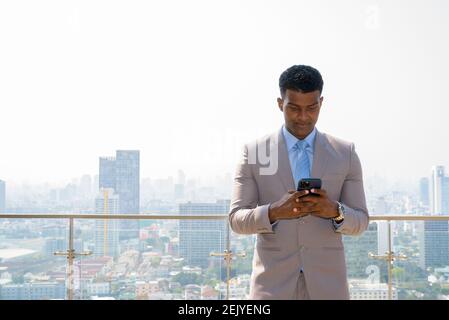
x,y
272,214
335,210
340,212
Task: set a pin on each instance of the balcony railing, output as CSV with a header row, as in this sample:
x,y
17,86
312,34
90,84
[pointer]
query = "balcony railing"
x,y
380,247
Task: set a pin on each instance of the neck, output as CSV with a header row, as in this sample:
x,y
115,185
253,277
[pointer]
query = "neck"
x,y
300,137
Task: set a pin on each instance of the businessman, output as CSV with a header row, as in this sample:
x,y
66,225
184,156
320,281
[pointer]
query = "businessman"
x,y
299,252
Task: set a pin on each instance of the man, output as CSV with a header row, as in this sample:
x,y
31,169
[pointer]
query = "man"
x,y
299,252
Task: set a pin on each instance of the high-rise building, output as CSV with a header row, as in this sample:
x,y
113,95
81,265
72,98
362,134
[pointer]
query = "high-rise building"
x,y
198,238
33,291
2,196
127,184
439,191
424,191
434,235
179,191
128,189
107,176
382,236
434,244
122,174
179,186
107,231
357,249
364,290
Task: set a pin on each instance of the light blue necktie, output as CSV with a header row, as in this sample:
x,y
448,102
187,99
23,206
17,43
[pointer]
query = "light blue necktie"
x,y
301,161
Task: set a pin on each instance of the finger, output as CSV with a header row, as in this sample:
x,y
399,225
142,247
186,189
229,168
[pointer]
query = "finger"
x,y
320,192
311,207
306,208
305,211
301,193
304,199
302,209
315,212
309,199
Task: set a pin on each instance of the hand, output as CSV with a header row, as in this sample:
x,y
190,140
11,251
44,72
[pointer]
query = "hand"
x,y
318,204
287,207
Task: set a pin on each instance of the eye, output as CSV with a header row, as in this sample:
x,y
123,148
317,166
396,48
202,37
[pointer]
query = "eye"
x,y
292,108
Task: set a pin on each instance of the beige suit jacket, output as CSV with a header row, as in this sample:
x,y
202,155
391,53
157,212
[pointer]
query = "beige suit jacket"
x,y
309,243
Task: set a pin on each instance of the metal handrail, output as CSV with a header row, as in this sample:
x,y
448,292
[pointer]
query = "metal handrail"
x,y
146,216
409,218
110,216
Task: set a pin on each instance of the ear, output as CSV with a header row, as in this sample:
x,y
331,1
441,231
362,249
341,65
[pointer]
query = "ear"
x,y
280,104
321,100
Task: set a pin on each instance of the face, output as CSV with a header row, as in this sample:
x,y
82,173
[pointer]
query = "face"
x,y
301,111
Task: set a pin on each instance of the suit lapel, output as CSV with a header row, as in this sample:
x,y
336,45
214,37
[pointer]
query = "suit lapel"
x,y
284,168
321,155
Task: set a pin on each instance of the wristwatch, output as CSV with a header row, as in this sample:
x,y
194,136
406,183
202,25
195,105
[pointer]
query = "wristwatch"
x,y
341,213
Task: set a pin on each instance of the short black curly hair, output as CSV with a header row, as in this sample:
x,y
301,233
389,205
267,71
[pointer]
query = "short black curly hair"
x,y
300,78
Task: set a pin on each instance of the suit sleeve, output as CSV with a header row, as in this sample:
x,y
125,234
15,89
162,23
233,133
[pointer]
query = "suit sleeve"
x,y
246,216
353,198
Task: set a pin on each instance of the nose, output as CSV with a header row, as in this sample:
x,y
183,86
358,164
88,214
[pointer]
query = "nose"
x,y
302,115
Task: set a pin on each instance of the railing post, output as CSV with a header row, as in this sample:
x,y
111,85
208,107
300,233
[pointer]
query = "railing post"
x,y
389,257
228,263
70,257
390,262
227,256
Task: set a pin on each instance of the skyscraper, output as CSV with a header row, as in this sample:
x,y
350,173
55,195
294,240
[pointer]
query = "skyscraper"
x,y
127,183
198,238
434,244
424,191
106,231
107,177
2,196
128,188
434,235
122,174
357,249
439,191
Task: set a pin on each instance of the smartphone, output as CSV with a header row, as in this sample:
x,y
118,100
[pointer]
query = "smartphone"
x,y
309,183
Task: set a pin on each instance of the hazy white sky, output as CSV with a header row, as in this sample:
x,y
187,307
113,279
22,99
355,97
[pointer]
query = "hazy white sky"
x,y
187,82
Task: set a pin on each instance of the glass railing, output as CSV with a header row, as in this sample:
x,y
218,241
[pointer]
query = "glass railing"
x,y
85,256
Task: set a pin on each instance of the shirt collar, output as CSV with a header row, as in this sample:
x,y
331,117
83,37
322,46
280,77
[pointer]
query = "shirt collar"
x,y
291,140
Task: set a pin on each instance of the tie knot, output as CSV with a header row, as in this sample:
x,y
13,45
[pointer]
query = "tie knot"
x,y
301,145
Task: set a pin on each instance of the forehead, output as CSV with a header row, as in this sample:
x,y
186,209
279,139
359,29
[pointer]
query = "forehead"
x,y
300,98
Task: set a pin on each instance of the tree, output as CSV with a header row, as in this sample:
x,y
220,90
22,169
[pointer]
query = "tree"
x,y
17,278
188,278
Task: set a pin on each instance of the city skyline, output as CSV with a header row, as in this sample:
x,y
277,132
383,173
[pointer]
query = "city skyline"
x,y
384,82
375,185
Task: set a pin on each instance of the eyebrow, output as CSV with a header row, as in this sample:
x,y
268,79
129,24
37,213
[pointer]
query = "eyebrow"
x,y
296,105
